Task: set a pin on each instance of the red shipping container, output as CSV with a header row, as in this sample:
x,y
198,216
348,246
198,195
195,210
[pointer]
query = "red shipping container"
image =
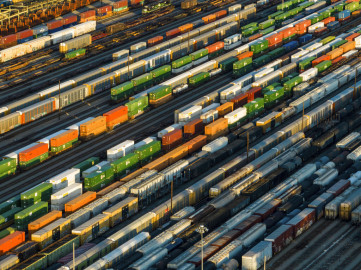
x,y
352,37
33,152
221,14
55,24
239,100
172,137
70,19
350,1
266,210
302,221
328,20
103,10
280,238
116,116
338,59
339,187
248,223
24,34
87,14
8,39
194,127
135,2
244,55
172,33
301,27
254,37
321,30
11,241
215,47
288,32
155,40
119,4
254,93
207,253
321,59
275,39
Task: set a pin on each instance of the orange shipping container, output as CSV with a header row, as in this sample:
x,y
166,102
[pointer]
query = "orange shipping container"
x,y
155,40
196,143
210,18
196,126
63,138
352,37
225,108
185,28
245,55
301,27
33,152
44,221
338,59
348,46
108,189
158,164
134,174
80,201
216,129
254,37
11,241
328,20
178,153
116,116
221,13
93,127
335,53
320,59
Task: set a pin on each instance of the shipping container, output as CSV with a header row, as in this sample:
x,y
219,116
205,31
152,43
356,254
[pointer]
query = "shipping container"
x,y
11,241
29,214
79,202
43,221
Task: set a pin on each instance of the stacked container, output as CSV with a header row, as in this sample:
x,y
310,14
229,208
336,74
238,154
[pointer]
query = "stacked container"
x,y
60,198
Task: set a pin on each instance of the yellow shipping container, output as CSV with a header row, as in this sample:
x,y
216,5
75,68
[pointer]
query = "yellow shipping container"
x,y
92,228
52,232
122,210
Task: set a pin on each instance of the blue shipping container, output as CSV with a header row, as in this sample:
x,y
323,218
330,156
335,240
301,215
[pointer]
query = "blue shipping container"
x,y
290,46
333,25
174,244
344,14
198,23
25,39
305,38
55,30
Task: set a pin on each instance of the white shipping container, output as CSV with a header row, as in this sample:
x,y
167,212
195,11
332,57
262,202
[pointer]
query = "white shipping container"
x,y
190,114
95,168
244,80
37,30
346,141
314,47
120,150
350,54
62,35
295,58
208,66
84,28
37,44
168,129
213,106
60,198
262,73
144,142
216,145
121,54
79,217
309,74
255,257
312,28
236,115
64,179
97,206
179,80
138,47
358,42
12,52
209,116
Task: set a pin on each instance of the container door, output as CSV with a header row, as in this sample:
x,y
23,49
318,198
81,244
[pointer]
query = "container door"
x,y
56,234
125,211
95,230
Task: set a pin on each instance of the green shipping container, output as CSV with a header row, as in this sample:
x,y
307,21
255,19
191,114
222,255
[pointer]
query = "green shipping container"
x,y
285,6
274,15
74,54
242,63
147,152
8,165
288,86
339,7
9,215
160,74
325,14
227,65
266,24
273,97
282,17
34,161
36,262
249,31
181,62
199,79
250,25
38,193
338,44
122,91
86,164
260,61
315,19
259,47
323,66
199,54
24,217
6,232
160,92
305,64
270,87
143,82
352,6
267,30
250,109
258,105
96,180
327,40
9,204
242,71
137,105
125,164
276,53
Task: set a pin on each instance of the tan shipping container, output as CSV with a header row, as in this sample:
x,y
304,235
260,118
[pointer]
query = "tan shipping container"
x,y
43,221
93,128
335,53
92,228
216,129
51,233
75,43
122,210
225,108
348,46
79,202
